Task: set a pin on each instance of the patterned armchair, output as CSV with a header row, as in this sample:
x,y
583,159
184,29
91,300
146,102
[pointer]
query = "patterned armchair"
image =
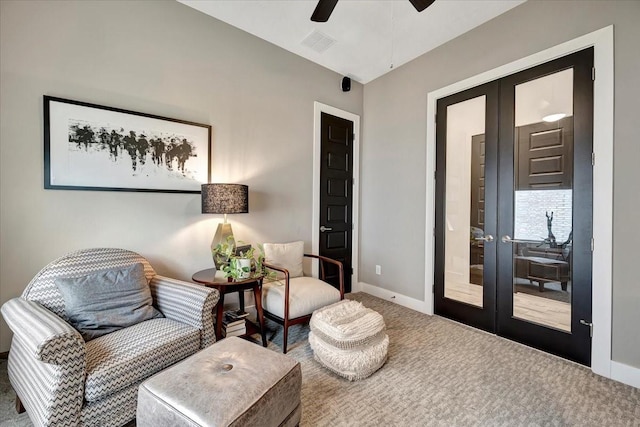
x,y
63,381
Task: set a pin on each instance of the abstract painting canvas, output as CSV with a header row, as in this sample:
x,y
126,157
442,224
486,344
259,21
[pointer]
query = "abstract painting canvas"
x,y
92,147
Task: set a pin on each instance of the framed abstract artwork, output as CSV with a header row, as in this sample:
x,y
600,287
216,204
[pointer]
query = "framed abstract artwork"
x,y
93,147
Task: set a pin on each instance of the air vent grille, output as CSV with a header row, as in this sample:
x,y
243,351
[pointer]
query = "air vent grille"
x,y
318,41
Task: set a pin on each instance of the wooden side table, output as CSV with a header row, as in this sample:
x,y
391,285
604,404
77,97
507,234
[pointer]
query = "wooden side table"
x,y
212,279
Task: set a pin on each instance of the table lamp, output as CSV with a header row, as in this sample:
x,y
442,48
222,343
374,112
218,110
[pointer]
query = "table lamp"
x,y
224,199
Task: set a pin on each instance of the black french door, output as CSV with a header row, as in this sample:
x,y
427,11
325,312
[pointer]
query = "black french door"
x,y
470,294
514,206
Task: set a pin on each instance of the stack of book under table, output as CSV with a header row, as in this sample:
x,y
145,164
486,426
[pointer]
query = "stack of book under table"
x,y
233,323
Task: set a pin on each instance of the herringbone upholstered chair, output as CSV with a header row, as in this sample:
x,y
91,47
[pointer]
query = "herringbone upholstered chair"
x,y
64,381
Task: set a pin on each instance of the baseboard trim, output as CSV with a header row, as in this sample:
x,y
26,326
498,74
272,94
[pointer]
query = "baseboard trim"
x,y
356,286
626,374
403,300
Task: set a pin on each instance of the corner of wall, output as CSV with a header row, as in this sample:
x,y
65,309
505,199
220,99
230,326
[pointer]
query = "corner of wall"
x,y
403,300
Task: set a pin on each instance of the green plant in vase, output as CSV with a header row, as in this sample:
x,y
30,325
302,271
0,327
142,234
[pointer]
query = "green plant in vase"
x,y
259,265
222,252
238,268
239,265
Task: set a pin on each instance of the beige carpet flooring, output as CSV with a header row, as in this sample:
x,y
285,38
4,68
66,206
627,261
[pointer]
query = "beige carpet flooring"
x,y
440,373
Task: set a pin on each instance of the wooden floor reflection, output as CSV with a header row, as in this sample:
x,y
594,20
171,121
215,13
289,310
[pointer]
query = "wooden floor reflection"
x,y
532,308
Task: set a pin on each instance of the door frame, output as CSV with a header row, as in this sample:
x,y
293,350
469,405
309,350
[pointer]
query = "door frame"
x,y
603,93
318,109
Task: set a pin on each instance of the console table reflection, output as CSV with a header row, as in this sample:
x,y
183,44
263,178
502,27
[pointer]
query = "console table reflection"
x,y
544,270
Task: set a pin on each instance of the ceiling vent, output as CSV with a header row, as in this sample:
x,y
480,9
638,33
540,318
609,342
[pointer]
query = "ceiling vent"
x,y
318,41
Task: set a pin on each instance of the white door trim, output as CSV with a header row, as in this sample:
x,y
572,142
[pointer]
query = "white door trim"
x,y
602,41
318,109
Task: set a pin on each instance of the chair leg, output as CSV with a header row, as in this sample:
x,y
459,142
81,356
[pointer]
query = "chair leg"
x,y
19,407
285,334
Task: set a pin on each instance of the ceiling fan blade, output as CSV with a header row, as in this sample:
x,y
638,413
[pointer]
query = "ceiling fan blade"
x,y
421,5
323,10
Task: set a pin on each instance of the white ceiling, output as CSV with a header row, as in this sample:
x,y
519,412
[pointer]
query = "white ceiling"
x,y
370,36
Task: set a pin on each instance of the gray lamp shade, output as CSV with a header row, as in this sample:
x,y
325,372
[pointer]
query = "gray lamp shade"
x,y
225,198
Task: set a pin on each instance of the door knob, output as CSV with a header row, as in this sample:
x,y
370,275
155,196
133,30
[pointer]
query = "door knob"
x,y
487,238
323,228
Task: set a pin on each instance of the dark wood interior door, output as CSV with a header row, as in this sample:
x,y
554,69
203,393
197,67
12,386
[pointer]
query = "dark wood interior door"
x,y
545,154
336,195
478,151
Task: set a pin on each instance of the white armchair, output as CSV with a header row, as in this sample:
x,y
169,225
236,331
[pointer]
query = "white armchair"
x,y
64,381
294,297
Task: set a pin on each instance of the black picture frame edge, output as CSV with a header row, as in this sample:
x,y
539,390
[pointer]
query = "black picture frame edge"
x,y
47,147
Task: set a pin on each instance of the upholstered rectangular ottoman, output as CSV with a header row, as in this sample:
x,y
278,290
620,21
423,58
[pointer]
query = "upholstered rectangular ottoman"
x,y
349,339
231,383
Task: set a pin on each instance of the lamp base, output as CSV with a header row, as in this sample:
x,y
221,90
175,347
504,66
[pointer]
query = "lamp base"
x,y
223,235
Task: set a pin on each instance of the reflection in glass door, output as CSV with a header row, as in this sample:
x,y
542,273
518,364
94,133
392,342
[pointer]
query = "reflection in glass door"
x,y
543,202
466,191
464,210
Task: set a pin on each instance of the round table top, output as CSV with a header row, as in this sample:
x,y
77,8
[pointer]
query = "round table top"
x,y
214,277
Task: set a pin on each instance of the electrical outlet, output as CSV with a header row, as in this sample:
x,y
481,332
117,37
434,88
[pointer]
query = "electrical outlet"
x,y
378,270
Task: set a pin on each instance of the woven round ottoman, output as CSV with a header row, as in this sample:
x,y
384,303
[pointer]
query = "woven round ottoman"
x,y
349,339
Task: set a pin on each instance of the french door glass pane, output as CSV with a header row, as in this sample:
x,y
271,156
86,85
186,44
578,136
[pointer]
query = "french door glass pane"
x,y
464,204
543,205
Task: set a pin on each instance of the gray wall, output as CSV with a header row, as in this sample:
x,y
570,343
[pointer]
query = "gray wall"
x,y
394,130
162,58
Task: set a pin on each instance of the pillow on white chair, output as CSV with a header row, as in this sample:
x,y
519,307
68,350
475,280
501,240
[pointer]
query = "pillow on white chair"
x,y
286,255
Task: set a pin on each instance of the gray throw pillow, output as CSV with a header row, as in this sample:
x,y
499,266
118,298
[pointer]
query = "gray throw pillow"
x,y
108,300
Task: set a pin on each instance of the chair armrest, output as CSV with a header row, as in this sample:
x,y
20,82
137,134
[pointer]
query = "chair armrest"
x,y
47,363
45,335
331,261
286,285
276,268
187,303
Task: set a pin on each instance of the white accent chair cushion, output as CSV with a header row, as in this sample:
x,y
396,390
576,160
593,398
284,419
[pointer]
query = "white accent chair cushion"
x,y
286,255
306,294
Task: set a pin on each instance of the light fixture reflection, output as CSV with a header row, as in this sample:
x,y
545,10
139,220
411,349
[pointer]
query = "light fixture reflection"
x,y
554,117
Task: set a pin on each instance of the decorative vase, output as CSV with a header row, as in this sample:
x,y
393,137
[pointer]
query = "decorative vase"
x,y
242,267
